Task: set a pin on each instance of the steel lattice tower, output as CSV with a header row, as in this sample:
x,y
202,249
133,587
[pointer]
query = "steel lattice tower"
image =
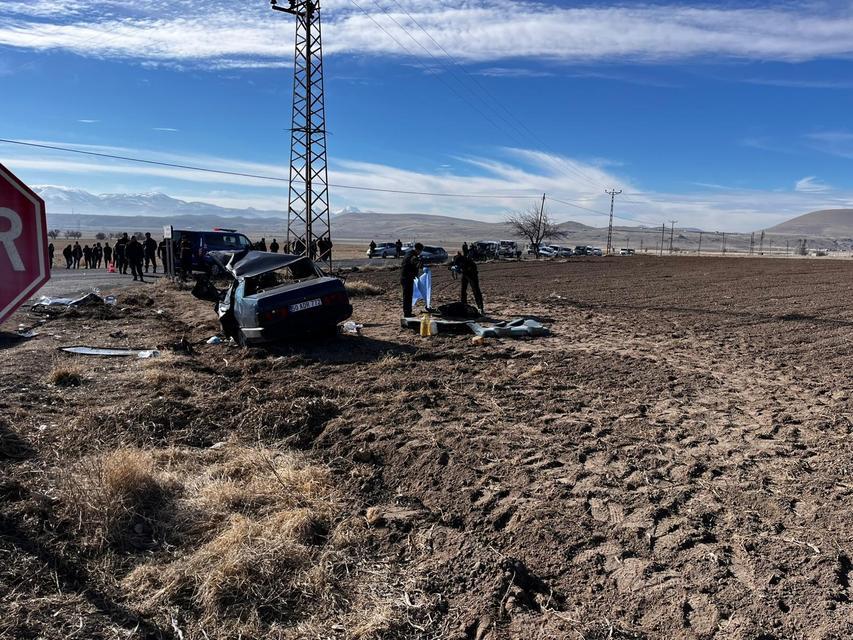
x,y
308,197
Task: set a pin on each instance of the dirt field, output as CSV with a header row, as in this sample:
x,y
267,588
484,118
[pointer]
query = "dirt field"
x,y
675,462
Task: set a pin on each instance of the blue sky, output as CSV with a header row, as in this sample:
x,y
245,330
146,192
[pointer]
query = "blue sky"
x,y
722,115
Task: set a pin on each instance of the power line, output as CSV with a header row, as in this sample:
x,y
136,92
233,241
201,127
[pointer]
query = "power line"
x,y
257,176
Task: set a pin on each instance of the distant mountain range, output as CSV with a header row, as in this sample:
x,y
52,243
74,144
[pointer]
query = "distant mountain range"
x,y
66,201
75,209
827,223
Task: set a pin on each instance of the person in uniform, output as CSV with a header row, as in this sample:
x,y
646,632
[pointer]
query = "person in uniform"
x,y
134,254
186,258
467,268
50,251
149,250
408,272
68,254
465,249
108,255
372,247
77,254
121,254
262,245
274,246
398,247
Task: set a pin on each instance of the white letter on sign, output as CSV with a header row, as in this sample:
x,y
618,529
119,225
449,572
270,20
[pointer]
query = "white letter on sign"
x,y
7,238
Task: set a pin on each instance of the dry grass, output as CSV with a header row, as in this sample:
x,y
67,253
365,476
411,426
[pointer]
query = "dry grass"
x,y
119,500
66,375
360,288
259,544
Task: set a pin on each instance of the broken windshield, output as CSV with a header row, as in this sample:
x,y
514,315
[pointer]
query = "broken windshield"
x,y
298,271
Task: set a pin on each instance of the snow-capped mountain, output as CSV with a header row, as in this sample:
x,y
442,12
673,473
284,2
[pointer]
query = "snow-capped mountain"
x,y
64,200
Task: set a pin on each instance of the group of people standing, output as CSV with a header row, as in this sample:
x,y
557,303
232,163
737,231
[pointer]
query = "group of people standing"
x,y
129,252
321,247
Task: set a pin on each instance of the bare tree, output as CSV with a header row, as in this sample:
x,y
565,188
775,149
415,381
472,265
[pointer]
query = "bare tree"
x,y
536,225
100,235
53,234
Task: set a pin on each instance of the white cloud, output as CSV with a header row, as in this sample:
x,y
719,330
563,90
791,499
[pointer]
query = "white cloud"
x,y
166,129
506,176
86,121
810,184
245,33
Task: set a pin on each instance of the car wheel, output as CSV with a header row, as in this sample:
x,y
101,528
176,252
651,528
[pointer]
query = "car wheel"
x,y
215,271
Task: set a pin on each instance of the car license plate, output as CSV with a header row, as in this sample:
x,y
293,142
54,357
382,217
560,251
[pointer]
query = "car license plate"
x,y
308,304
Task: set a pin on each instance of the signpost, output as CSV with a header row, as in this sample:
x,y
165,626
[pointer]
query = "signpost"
x,y
24,263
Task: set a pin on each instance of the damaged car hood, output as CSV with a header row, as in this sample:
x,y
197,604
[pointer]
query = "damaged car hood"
x,y
247,264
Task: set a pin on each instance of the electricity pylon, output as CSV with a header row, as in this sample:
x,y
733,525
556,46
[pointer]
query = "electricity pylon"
x,y
308,226
612,193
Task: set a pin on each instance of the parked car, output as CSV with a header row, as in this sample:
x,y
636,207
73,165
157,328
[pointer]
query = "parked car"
x,y
581,250
544,251
273,296
561,252
508,249
383,250
430,255
596,251
483,250
626,252
204,242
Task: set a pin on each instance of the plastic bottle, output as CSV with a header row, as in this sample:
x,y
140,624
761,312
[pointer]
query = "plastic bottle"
x,y
426,329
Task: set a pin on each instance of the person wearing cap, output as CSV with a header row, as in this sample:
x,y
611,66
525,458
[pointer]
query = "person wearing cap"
x,y
408,272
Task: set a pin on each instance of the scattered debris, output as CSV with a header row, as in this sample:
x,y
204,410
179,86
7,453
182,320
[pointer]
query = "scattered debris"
x,y
107,352
214,340
90,299
352,328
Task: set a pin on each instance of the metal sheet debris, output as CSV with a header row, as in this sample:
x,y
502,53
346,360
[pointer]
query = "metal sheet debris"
x,y
111,353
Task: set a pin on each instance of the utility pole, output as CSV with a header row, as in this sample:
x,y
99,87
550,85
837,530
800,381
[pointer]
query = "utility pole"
x,y
787,248
627,242
751,242
671,234
662,232
641,245
771,249
761,244
612,193
699,250
308,196
724,243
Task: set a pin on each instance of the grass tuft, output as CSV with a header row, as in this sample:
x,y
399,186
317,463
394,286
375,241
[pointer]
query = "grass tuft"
x,y
66,376
360,288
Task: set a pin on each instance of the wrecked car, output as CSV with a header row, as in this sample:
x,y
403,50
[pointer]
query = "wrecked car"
x,y
274,296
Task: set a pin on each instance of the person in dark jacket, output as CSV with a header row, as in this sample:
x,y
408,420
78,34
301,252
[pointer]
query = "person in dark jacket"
x,y
87,256
398,247
50,251
121,254
97,255
134,254
149,249
372,247
186,258
108,255
408,272
465,249
77,254
262,245
68,255
467,269
274,246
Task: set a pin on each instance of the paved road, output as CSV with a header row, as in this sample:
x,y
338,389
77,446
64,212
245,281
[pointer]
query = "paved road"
x,y
70,282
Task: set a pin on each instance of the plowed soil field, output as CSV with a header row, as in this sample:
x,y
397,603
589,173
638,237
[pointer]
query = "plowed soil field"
x,y
673,462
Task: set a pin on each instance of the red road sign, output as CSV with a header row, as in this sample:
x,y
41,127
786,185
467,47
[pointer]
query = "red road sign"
x,y
24,263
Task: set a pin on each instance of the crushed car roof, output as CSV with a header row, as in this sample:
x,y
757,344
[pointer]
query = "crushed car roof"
x,y
246,264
